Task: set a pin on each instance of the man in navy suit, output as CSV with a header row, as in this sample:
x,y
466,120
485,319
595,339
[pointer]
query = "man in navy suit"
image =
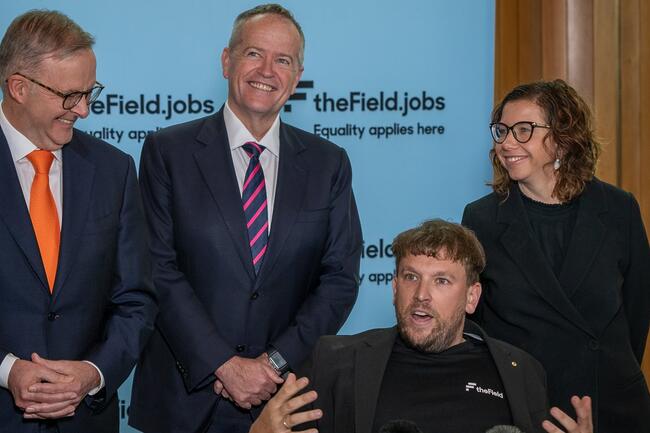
x,y
256,242
77,298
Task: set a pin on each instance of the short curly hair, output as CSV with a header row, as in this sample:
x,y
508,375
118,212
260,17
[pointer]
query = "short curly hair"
x,y
443,240
571,129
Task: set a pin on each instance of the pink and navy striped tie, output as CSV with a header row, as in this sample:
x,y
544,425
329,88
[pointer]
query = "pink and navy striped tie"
x,y
254,200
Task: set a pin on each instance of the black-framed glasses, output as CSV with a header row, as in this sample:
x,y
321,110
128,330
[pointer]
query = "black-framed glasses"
x,y
71,99
521,131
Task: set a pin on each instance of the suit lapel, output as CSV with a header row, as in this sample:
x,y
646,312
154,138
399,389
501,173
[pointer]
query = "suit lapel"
x,y
523,250
369,366
15,214
78,181
215,163
587,237
514,384
291,187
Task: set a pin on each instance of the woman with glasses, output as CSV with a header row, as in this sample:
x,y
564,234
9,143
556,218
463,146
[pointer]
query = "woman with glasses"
x,y
568,263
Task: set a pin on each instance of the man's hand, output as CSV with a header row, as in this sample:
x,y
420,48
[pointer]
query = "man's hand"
x,y
24,374
278,416
80,378
247,381
219,390
584,422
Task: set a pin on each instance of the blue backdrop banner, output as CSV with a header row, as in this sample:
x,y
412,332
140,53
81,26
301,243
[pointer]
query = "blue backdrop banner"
x,y
406,88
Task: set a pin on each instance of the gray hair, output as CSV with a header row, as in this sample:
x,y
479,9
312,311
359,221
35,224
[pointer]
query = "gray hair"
x,y
270,8
36,35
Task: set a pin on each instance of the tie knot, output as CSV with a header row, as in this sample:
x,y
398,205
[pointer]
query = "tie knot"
x,y
253,149
41,160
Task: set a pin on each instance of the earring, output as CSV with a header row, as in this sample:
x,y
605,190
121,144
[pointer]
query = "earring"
x,y
556,164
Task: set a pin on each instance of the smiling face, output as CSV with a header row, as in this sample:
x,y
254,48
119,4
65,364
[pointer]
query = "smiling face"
x,y
40,115
530,163
431,297
262,69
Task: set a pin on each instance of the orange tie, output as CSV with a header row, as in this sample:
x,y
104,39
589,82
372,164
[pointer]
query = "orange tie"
x,y
42,210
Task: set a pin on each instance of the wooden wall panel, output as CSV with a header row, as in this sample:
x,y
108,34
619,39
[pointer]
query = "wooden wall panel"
x,y
554,39
530,38
630,124
635,112
644,121
644,143
606,83
518,40
507,39
580,47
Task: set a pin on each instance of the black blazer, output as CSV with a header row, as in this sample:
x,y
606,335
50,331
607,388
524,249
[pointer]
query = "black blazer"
x,y
212,306
347,372
588,328
102,308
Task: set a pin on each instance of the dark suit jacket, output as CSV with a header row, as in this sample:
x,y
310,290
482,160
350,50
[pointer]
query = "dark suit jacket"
x,y
102,307
347,371
212,305
588,328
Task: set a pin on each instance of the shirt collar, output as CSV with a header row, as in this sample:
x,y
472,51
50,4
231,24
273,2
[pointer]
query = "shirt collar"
x,y
19,145
238,134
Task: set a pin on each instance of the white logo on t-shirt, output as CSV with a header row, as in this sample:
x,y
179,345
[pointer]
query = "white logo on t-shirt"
x,y
488,391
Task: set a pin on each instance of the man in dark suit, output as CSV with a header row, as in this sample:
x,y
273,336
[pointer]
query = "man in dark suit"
x,y
435,369
77,299
256,242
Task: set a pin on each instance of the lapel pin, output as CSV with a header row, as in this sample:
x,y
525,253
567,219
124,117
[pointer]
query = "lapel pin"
x,y
514,363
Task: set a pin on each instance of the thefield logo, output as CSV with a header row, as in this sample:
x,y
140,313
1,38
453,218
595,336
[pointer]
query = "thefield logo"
x,y
299,96
395,101
356,101
118,104
472,386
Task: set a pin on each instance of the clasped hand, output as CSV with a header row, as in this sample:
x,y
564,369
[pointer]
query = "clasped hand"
x,y
247,382
46,389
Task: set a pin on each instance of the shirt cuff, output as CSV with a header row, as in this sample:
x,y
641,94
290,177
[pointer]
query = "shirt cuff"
x,y
101,380
5,369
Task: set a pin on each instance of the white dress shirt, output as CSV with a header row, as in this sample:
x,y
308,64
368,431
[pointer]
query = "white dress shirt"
x,y
20,147
238,135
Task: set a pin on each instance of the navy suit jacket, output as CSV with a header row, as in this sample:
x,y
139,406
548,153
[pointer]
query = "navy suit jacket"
x,y
212,306
102,307
347,372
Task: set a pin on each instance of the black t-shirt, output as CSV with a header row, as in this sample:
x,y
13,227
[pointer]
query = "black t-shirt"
x,y
457,390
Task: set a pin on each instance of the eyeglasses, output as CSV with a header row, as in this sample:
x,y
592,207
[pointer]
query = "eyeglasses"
x,y
70,100
521,131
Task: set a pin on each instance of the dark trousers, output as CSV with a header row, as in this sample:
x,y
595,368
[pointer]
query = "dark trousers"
x,y
228,418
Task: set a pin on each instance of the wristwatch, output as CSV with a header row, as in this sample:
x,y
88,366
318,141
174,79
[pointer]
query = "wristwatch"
x,y
278,362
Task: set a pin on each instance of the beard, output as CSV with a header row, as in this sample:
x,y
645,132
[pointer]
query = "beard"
x,y
439,337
